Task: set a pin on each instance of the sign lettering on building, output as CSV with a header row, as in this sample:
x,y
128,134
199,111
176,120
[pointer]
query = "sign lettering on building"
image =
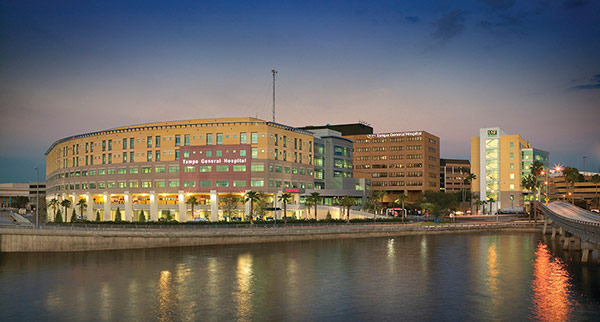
x,y
492,132
385,135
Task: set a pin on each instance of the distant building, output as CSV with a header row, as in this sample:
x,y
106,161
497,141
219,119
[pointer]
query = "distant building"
x,y
398,163
333,168
585,191
345,129
500,161
13,194
452,176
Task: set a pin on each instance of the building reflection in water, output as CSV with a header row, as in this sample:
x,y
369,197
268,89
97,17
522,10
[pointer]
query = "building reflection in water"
x,y
105,302
243,295
492,281
165,297
551,283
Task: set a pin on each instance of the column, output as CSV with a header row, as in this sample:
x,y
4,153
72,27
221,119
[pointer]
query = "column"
x,y
567,241
247,207
153,206
128,207
107,214
553,233
182,207
586,249
214,206
90,207
278,214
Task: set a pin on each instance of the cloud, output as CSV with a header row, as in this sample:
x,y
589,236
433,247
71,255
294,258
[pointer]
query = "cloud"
x,y
572,4
594,84
412,19
449,25
499,4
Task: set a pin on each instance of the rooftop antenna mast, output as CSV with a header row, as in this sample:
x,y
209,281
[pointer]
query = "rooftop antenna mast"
x,y
274,71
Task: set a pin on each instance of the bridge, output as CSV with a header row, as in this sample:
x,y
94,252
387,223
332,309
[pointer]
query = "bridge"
x,y
578,228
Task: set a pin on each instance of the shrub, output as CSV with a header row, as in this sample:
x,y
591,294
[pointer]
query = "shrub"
x,y
97,215
142,217
58,216
73,216
118,215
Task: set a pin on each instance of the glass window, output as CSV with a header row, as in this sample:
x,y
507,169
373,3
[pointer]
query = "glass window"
x,y
186,154
254,153
286,169
124,145
92,172
176,154
254,137
189,184
146,184
121,171
222,168
239,168
160,169
218,153
257,183
257,167
205,183
222,183
209,139
205,168
219,138
186,140
189,168
277,168
149,142
173,183
242,140
110,171
242,153
173,169
208,154
131,143
133,170
149,156
157,155
131,154
109,145
178,140
146,170
124,158
159,184
157,142
239,183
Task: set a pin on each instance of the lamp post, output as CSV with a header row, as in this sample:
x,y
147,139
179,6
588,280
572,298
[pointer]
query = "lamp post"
x,y
37,198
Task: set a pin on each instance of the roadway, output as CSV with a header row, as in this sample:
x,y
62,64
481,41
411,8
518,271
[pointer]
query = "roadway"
x,y
569,211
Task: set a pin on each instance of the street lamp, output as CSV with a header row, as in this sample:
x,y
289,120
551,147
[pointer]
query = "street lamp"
x,y
37,198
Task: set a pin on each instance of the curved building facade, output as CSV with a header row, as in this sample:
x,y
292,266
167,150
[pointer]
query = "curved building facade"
x,y
156,167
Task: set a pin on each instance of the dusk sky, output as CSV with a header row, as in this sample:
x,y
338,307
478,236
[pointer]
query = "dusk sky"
x,y
447,67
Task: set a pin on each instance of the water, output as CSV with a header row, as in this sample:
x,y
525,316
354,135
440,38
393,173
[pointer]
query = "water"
x,y
466,277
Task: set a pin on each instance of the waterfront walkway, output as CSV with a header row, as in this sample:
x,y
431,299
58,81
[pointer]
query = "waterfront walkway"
x,y
106,237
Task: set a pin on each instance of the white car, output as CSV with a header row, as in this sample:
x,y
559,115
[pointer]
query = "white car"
x,y
199,219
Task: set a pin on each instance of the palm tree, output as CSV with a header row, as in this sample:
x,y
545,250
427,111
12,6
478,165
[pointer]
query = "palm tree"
x,y
252,197
316,198
192,201
66,203
347,202
377,198
308,202
596,181
571,176
530,182
467,181
53,203
483,203
401,199
285,198
230,206
81,204
477,203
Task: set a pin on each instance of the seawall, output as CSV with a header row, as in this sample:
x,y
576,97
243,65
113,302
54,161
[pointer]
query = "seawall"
x,y
68,240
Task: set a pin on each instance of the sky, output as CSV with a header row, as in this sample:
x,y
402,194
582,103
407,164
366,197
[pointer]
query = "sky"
x,y
447,67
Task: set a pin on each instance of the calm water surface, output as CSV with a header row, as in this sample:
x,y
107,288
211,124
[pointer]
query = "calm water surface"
x,y
491,276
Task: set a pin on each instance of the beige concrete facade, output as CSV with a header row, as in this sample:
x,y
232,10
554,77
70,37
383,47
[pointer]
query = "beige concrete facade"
x,y
156,167
398,163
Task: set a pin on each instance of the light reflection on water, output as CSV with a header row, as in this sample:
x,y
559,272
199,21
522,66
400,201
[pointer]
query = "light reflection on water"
x,y
510,276
551,287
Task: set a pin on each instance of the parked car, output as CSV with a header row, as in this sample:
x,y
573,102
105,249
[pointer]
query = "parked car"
x,y
199,219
